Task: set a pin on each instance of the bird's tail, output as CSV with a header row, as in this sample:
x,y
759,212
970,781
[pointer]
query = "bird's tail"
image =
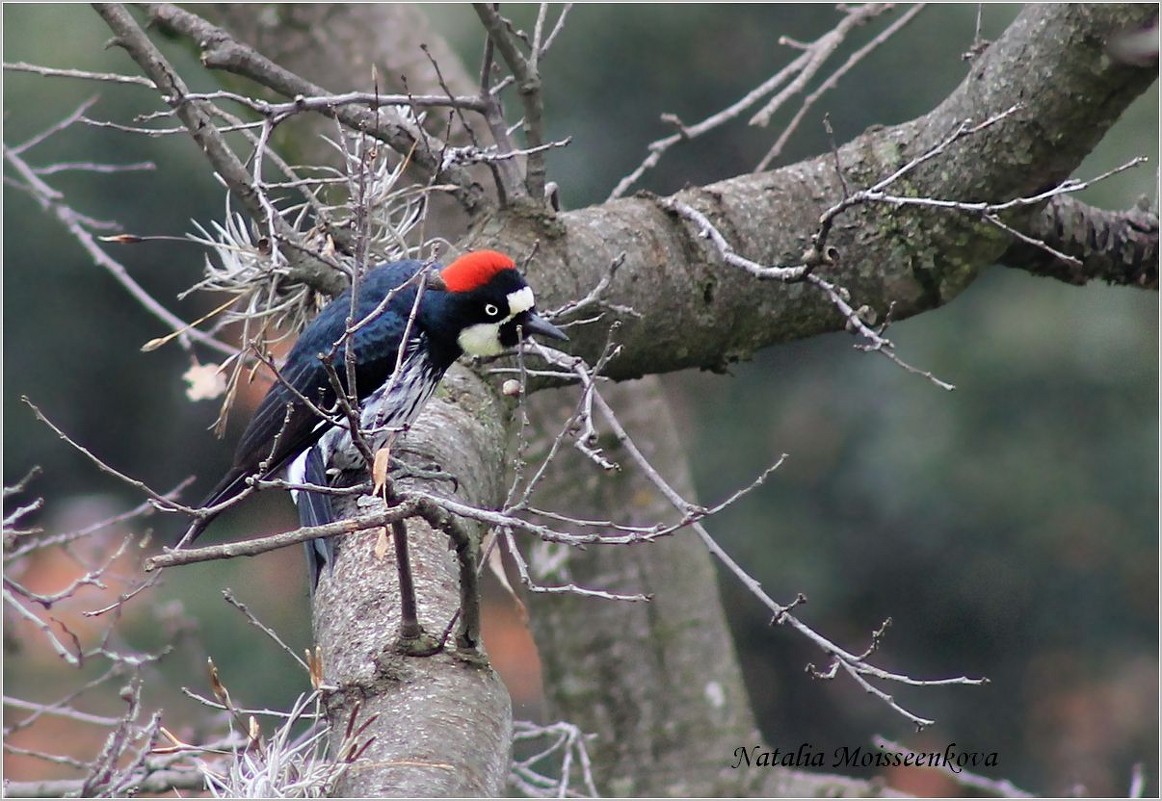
x,y
314,510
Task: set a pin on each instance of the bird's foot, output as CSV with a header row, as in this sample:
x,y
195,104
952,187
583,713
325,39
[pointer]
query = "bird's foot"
x,y
469,653
417,643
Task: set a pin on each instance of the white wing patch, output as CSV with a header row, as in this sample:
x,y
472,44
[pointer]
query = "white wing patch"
x,y
296,473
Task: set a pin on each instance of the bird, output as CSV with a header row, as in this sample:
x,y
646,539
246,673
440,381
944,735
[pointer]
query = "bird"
x,y
479,305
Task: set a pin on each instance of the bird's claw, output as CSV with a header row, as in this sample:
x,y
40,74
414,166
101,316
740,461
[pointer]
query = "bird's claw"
x,y
421,644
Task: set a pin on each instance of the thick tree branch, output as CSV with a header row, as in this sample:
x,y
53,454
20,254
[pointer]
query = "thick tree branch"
x,y
1118,247
696,311
442,723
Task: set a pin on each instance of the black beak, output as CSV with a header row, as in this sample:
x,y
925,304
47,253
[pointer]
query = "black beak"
x,y
533,323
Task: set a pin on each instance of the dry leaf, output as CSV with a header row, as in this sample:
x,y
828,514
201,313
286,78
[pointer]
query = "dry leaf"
x,y
496,565
381,544
217,686
379,469
315,666
154,344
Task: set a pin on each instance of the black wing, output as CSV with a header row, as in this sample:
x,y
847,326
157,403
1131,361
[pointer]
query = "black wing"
x,y
272,436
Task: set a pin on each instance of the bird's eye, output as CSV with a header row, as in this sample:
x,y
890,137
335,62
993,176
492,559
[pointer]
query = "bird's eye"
x,y
491,310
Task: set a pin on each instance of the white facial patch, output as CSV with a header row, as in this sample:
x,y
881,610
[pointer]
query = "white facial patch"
x,y
483,339
520,301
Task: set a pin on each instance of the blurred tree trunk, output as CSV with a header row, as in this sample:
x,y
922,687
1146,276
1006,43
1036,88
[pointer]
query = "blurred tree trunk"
x,y
659,682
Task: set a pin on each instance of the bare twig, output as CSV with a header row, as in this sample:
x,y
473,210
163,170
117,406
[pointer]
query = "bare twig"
x,y
107,77
160,500
62,650
568,588
253,547
832,80
852,664
220,50
66,122
855,323
528,83
51,201
818,52
707,230
228,594
798,72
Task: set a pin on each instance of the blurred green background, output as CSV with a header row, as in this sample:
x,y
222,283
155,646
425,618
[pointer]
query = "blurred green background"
x,y
1009,529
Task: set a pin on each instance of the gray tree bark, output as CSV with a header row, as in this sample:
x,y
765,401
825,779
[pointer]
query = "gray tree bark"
x,y
697,311
444,724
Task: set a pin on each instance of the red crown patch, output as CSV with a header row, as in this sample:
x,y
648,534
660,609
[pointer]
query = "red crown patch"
x,y
474,269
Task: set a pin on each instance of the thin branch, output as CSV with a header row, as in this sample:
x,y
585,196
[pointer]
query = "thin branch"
x,y
804,66
228,594
107,77
686,132
569,588
528,82
260,545
707,230
61,649
832,80
559,26
876,342
160,500
819,51
220,50
68,121
51,201
852,664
